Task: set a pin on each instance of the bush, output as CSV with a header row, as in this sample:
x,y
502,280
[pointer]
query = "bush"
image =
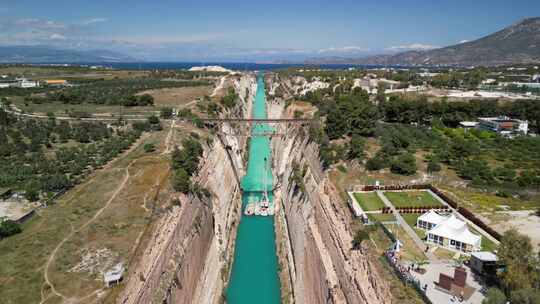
x,y
404,164
356,147
166,113
525,296
378,162
433,167
153,120
9,228
149,148
494,296
229,100
181,181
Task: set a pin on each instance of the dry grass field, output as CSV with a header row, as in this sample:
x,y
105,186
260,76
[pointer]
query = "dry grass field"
x,y
62,252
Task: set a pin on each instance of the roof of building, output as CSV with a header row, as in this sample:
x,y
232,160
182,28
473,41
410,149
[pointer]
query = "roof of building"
x,y
468,123
432,217
456,229
486,256
114,274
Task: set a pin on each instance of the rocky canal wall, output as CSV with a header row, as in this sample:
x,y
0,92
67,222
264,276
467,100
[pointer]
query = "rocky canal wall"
x,y
189,253
324,267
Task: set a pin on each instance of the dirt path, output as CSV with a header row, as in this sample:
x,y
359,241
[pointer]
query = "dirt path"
x,y
168,147
96,215
219,86
74,231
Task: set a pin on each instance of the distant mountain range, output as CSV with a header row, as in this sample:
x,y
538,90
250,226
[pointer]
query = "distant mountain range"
x,y
518,43
45,54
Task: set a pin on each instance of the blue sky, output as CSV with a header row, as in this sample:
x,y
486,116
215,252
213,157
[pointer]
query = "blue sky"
x,y
254,30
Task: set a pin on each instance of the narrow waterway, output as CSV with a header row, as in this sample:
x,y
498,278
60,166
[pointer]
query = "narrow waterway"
x,y
254,275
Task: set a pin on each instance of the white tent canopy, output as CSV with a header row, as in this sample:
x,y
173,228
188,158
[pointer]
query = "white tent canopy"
x,y
432,217
454,229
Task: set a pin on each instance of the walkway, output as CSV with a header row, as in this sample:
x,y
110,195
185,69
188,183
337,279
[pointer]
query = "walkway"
x,y
406,226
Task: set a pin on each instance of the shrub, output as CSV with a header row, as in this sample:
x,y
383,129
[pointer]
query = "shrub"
x,y
181,181
404,164
433,167
9,228
378,162
494,296
149,148
166,113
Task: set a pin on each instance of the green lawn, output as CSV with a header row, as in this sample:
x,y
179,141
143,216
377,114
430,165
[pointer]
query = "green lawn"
x,y
369,201
412,199
411,218
487,244
381,217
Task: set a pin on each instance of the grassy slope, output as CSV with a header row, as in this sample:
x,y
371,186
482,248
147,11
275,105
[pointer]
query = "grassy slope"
x,y
25,255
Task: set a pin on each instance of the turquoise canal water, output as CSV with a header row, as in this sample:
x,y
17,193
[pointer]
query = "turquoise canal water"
x,y
254,275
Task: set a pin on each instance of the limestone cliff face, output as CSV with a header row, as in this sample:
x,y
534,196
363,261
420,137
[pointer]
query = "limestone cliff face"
x,y
325,269
187,258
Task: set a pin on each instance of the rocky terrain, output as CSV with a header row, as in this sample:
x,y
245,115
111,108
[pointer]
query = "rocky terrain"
x,y
323,267
189,255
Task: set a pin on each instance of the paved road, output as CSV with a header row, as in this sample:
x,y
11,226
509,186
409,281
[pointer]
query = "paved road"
x,y
406,226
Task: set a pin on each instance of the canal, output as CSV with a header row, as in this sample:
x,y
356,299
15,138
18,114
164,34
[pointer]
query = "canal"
x,y
254,275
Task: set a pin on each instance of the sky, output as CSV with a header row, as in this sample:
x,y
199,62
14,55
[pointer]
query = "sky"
x,y
240,30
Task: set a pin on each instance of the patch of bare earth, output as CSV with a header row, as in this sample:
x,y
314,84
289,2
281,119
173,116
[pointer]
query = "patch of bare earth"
x,y
178,96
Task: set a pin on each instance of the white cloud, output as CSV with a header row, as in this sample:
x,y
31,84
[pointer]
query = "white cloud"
x,y
173,39
93,20
463,41
33,23
412,46
56,36
345,49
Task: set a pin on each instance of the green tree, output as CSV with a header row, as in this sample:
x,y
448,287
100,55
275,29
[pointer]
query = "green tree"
x,y
377,162
525,296
433,166
181,181
146,100
9,228
166,113
360,236
516,253
32,191
494,296
356,147
404,164
153,120
149,147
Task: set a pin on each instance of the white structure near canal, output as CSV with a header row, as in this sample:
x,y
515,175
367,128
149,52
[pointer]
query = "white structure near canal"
x,y
449,232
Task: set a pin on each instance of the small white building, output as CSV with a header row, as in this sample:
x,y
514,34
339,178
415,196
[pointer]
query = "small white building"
x,y
114,276
25,83
449,232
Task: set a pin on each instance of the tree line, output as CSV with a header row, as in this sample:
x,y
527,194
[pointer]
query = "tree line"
x,y
403,125
46,157
111,92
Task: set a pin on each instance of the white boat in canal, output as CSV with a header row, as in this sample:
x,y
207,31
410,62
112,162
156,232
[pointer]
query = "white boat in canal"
x,y
250,209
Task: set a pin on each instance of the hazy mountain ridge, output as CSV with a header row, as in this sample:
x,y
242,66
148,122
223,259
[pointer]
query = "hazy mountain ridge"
x,y
45,54
518,43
